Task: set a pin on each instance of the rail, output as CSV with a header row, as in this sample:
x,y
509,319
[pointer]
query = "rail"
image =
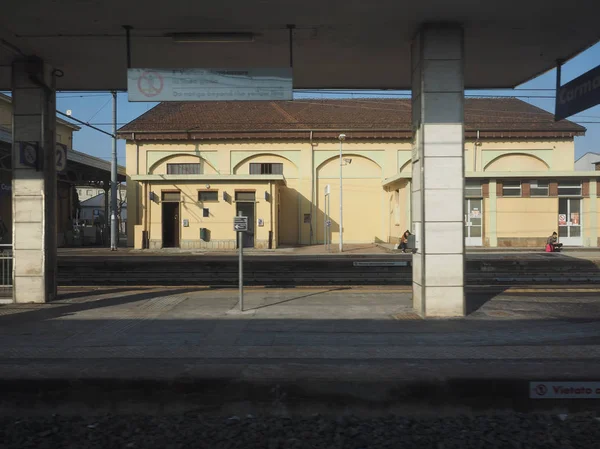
x,y
6,268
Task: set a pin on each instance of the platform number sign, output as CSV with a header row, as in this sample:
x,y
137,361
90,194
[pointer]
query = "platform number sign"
x,y
31,155
61,157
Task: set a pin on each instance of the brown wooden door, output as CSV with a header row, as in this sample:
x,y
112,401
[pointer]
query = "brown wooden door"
x,y
176,225
170,225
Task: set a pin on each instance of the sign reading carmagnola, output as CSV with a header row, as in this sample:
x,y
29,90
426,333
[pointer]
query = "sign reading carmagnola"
x,y
578,95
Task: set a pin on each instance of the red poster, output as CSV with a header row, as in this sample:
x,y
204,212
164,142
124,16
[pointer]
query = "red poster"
x,y
562,219
575,218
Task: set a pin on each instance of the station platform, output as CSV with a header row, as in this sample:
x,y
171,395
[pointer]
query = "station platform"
x,y
293,351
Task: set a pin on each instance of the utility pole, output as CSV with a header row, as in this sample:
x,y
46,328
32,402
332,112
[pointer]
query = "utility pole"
x,y
114,231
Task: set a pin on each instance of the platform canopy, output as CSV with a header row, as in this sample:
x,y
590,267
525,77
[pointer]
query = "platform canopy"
x,y
350,44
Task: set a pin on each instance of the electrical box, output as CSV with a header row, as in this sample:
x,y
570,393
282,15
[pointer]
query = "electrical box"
x,y
204,234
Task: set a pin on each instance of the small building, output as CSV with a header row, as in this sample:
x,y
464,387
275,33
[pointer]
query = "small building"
x,y
587,162
93,209
191,167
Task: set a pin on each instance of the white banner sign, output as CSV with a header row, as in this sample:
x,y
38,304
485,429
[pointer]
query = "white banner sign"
x,y
564,390
209,84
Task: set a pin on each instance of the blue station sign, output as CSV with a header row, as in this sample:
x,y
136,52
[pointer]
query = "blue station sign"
x,y
578,95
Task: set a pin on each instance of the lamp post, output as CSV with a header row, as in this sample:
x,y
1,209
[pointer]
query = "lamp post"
x,y
341,137
114,231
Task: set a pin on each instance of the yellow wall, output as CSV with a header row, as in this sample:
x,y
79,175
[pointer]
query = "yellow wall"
x,y
307,169
370,213
289,168
64,133
526,217
288,213
516,162
160,168
398,211
591,229
487,221
557,155
220,221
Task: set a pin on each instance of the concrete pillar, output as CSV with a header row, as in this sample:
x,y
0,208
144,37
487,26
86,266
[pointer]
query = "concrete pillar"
x,y
438,171
107,212
493,215
34,187
592,219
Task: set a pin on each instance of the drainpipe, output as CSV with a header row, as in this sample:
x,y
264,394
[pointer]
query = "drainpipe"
x,y
146,205
475,145
313,209
271,207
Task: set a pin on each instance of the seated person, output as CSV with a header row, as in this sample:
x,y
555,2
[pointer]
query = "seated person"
x,y
552,244
404,241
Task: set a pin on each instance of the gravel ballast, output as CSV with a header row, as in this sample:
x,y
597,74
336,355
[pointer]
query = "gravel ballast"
x,y
197,431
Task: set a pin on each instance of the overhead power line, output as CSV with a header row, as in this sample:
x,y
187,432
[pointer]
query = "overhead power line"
x,y
85,123
98,111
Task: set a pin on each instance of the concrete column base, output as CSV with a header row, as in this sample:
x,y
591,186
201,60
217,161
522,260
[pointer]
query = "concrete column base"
x,y
438,171
34,182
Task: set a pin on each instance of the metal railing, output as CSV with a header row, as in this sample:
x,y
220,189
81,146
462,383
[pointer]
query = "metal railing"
x,y
6,269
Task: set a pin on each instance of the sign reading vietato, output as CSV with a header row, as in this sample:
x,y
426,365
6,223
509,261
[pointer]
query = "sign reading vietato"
x,y
564,390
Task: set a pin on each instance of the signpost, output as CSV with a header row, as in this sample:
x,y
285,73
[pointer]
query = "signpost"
x,y
209,84
578,95
240,225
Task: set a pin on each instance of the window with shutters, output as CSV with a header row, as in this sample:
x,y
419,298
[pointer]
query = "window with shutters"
x,y
266,169
172,197
473,188
511,188
569,188
539,188
184,169
208,196
245,196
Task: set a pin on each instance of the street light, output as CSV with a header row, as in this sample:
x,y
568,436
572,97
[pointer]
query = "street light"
x,y
341,137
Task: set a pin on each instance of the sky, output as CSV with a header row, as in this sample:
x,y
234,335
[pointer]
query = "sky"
x,y
96,107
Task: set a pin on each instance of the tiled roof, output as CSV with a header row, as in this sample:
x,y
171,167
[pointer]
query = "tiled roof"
x,y
368,118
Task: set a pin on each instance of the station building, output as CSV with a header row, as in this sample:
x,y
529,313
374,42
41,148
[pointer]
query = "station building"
x,y
191,167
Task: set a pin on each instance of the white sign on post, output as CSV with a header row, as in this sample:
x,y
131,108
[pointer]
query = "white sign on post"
x,y
209,84
240,224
